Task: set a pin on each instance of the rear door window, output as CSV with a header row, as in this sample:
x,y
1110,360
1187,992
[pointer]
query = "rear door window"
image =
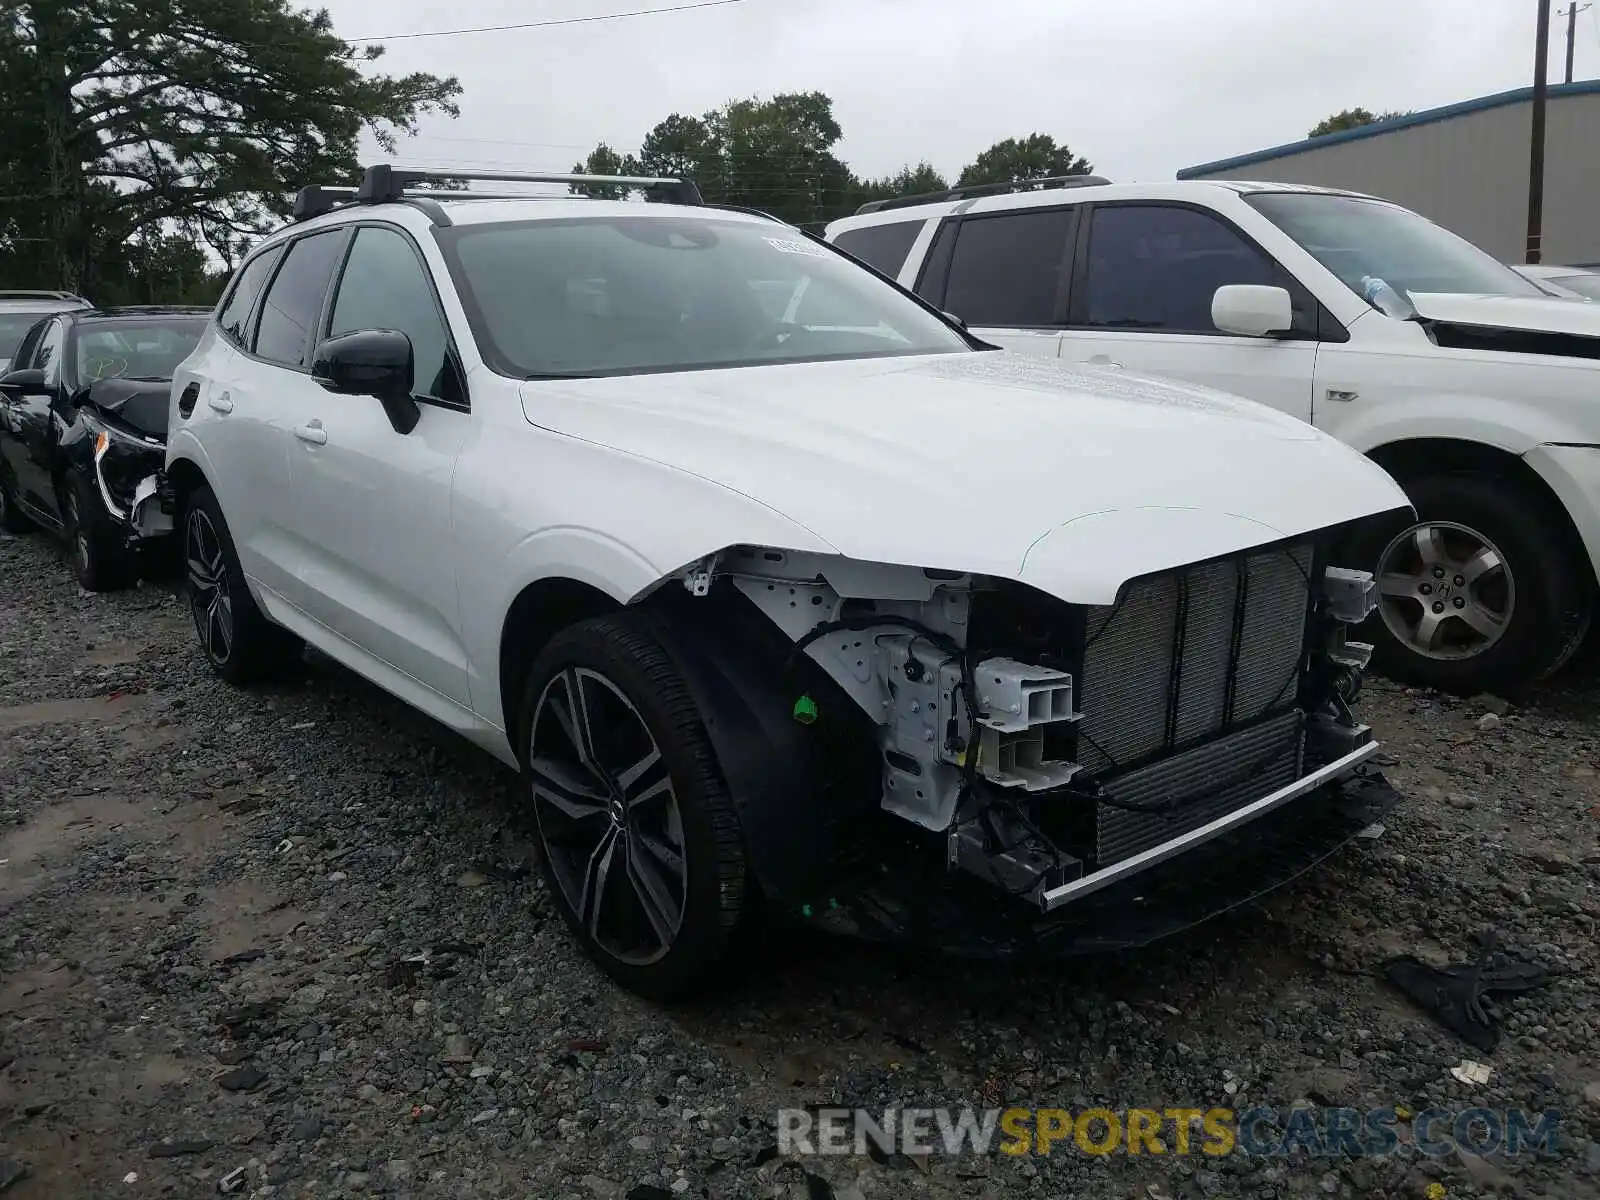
x,y
234,319
882,246
1008,270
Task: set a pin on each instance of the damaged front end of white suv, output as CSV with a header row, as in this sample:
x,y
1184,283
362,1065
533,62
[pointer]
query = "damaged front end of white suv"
x,y
971,763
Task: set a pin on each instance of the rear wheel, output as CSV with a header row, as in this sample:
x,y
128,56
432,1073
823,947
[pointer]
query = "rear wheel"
x,y
100,560
641,843
1481,592
238,640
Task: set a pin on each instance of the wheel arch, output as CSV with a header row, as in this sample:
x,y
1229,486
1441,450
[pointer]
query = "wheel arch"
x,y
537,613
185,476
1411,457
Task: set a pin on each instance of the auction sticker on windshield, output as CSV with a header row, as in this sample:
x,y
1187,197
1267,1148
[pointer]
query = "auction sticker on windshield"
x,y
791,247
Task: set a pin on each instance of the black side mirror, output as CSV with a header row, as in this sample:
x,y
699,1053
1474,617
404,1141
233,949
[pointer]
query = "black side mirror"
x,y
24,383
371,362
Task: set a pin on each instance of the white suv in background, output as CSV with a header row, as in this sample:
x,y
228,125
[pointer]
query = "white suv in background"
x,y
773,580
1476,389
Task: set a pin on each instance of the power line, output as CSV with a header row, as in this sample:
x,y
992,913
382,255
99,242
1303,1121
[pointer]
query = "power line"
x,y
639,12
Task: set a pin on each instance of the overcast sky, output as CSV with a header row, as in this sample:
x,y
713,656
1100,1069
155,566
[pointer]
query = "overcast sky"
x,y
1141,89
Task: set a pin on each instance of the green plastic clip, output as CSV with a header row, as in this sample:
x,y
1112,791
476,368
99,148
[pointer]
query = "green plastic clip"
x,y
805,710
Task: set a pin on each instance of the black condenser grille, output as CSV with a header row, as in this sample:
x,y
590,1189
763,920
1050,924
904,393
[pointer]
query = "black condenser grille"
x,y
1187,656
1185,791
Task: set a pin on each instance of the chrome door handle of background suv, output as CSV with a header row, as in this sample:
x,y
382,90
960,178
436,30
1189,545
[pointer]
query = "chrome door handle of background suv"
x,y
313,433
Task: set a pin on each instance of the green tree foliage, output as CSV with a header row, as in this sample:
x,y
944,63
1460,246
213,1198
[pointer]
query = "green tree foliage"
x,y
603,160
777,155
129,122
1352,118
1017,160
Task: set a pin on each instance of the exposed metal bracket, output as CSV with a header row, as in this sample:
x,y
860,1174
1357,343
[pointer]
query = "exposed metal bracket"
x,y
698,580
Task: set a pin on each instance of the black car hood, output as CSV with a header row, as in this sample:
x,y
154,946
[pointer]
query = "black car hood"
x,y
140,404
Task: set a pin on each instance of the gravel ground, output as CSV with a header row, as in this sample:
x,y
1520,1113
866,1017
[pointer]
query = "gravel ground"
x,y
284,942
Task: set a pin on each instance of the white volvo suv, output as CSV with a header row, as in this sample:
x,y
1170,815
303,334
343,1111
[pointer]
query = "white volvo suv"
x,y
771,580
1471,384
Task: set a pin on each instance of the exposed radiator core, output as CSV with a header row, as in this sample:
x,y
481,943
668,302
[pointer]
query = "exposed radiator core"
x,y
1196,786
1187,656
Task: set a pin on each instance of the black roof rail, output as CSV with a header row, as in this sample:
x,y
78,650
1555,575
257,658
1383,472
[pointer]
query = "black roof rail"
x,y
314,201
384,183
984,189
32,294
132,310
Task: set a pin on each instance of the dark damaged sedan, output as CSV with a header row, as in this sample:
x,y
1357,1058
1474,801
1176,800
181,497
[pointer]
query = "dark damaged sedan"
x,y
83,429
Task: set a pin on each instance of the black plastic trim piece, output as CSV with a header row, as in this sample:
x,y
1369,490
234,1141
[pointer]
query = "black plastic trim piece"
x,y
979,190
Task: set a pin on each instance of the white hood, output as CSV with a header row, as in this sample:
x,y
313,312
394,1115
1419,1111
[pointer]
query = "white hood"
x,y
1546,314
990,463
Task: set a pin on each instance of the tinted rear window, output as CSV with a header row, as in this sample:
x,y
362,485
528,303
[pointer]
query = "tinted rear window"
x,y
1007,269
247,285
882,246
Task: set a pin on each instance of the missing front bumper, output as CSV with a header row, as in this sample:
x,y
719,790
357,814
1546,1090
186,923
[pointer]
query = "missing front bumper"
x,y
1185,842
1209,877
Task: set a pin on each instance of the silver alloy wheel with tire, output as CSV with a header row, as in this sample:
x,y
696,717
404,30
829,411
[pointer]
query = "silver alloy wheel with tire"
x,y
1486,587
1445,590
608,816
210,601
240,642
641,841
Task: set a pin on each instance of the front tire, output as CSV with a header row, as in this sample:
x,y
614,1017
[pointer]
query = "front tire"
x,y
238,640
641,846
1483,592
100,561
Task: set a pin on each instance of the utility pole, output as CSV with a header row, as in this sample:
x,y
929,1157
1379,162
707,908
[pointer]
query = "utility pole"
x,y
1541,87
1571,15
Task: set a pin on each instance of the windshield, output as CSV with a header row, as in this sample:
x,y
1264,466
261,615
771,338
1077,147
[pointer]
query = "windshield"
x,y
13,325
630,294
1362,241
1585,284
148,348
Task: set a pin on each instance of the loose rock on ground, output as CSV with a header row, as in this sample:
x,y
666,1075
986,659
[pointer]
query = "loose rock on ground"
x,y
284,942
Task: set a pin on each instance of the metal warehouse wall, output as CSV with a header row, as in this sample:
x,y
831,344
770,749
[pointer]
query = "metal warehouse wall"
x,y
1467,171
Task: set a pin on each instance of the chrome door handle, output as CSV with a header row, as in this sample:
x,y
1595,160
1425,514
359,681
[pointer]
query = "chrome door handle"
x,y
222,403
313,433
